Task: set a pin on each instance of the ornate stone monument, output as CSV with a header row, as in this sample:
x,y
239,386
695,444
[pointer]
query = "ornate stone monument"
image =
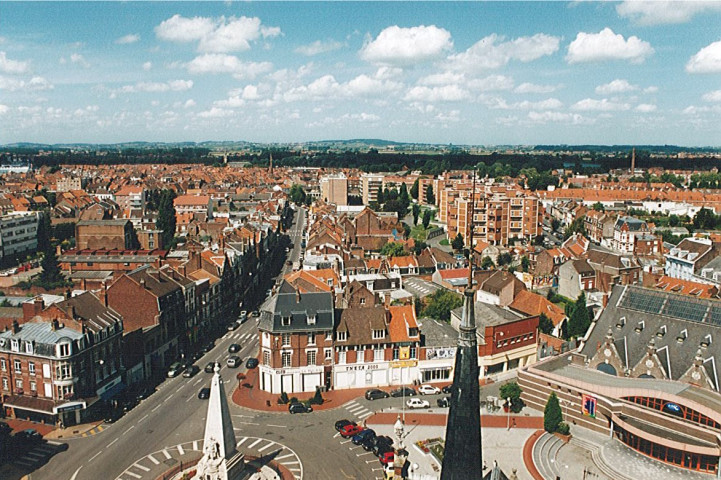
x,y
221,460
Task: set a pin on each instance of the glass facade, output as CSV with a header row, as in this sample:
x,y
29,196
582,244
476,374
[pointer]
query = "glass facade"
x,y
675,409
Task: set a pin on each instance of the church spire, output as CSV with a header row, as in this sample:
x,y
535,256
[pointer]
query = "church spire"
x,y
463,457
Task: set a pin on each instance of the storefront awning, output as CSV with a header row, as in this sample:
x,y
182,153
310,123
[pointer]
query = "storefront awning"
x,y
33,404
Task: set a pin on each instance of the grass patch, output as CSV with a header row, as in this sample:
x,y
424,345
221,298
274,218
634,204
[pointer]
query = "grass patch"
x,y
444,242
419,233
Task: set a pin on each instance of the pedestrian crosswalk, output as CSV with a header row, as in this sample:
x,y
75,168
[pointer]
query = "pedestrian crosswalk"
x,y
38,455
244,337
358,410
150,467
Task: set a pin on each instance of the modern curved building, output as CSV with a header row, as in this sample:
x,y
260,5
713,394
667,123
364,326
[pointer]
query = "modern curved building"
x,y
647,374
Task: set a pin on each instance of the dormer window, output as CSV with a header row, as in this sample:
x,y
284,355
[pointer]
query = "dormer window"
x,y
29,347
342,336
15,345
621,323
682,336
661,331
285,321
413,332
639,327
379,334
311,319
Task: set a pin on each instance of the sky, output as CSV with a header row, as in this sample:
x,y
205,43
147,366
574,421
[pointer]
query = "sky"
x,y
466,73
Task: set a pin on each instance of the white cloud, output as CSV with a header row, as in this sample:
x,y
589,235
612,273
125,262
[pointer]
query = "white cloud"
x,y
646,108
446,93
34,84
616,86
706,60
12,66
4,109
189,103
714,96
501,104
215,112
491,83
651,89
444,78
604,105
407,46
219,35
155,87
606,45
527,87
558,117
363,86
79,59
663,12
222,63
147,66
492,52
328,87
318,47
127,39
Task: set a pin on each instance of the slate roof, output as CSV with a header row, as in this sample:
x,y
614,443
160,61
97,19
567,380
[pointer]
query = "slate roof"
x,y
699,320
360,322
91,311
298,306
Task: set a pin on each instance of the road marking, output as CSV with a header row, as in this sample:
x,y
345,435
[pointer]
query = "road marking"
x,y
156,407
248,423
167,455
266,447
195,444
343,443
365,415
180,450
95,456
146,416
141,467
75,475
371,461
284,456
198,381
109,444
336,435
135,475
190,397
29,459
244,416
152,459
277,426
131,427
364,453
55,443
242,441
255,443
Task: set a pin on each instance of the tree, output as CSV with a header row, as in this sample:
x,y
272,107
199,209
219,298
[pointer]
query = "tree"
x,y
134,242
552,415
538,240
487,263
50,277
416,209
555,224
403,196
414,190
504,259
380,199
674,220
44,232
426,218
598,206
576,226
297,194
166,216
430,198
705,220
393,249
579,320
545,325
457,243
525,263
441,303
513,391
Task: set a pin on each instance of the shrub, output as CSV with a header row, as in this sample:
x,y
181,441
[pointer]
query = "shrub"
x,y
316,399
563,428
283,398
293,399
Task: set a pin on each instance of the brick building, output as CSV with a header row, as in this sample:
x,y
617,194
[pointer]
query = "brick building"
x,y
104,234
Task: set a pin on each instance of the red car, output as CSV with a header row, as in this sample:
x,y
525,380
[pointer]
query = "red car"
x,y
350,430
387,458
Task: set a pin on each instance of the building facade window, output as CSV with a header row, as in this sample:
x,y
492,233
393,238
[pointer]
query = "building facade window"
x,y
285,340
341,357
3,365
310,357
378,355
19,383
311,339
328,353
31,368
18,366
266,357
379,334
285,359
6,384
33,387
342,336
396,353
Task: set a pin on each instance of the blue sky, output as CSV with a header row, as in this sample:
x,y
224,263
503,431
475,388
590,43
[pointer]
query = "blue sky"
x,y
483,73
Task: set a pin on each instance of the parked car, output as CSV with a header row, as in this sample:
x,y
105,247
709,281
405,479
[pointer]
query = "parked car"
x,y
350,430
255,313
403,392
252,362
243,316
382,448
447,389
204,393
210,367
362,436
299,408
208,347
175,369
232,326
378,443
374,394
444,402
417,403
342,423
191,371
234,361
428,390
113,415
29,435
233,348
387,457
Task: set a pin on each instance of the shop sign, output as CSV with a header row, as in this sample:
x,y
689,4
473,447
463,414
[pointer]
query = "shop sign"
x,y
588,406
405,363
69,407
353,368
433,353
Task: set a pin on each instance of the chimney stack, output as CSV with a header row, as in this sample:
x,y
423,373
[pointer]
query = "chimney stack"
x,y
104,294
16,326
71,311
142,283
297,295
54,324
633,161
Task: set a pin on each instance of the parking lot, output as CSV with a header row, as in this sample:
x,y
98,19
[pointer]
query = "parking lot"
x,y
418,287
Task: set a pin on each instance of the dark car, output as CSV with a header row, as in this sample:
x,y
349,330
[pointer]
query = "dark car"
x,y
362,436
28,436
444,402
342,423
299,408
204,393
447,389
113,415
255,313
403,392
374,394
175,369
233,348
375,442
208,347
210,367
251,363
232,326
191,371
381,448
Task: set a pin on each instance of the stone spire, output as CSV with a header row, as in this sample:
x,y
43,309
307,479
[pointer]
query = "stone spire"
x,y
221,460
463,457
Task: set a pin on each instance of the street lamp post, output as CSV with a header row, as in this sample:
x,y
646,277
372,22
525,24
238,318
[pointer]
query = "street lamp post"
x,y
508,418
